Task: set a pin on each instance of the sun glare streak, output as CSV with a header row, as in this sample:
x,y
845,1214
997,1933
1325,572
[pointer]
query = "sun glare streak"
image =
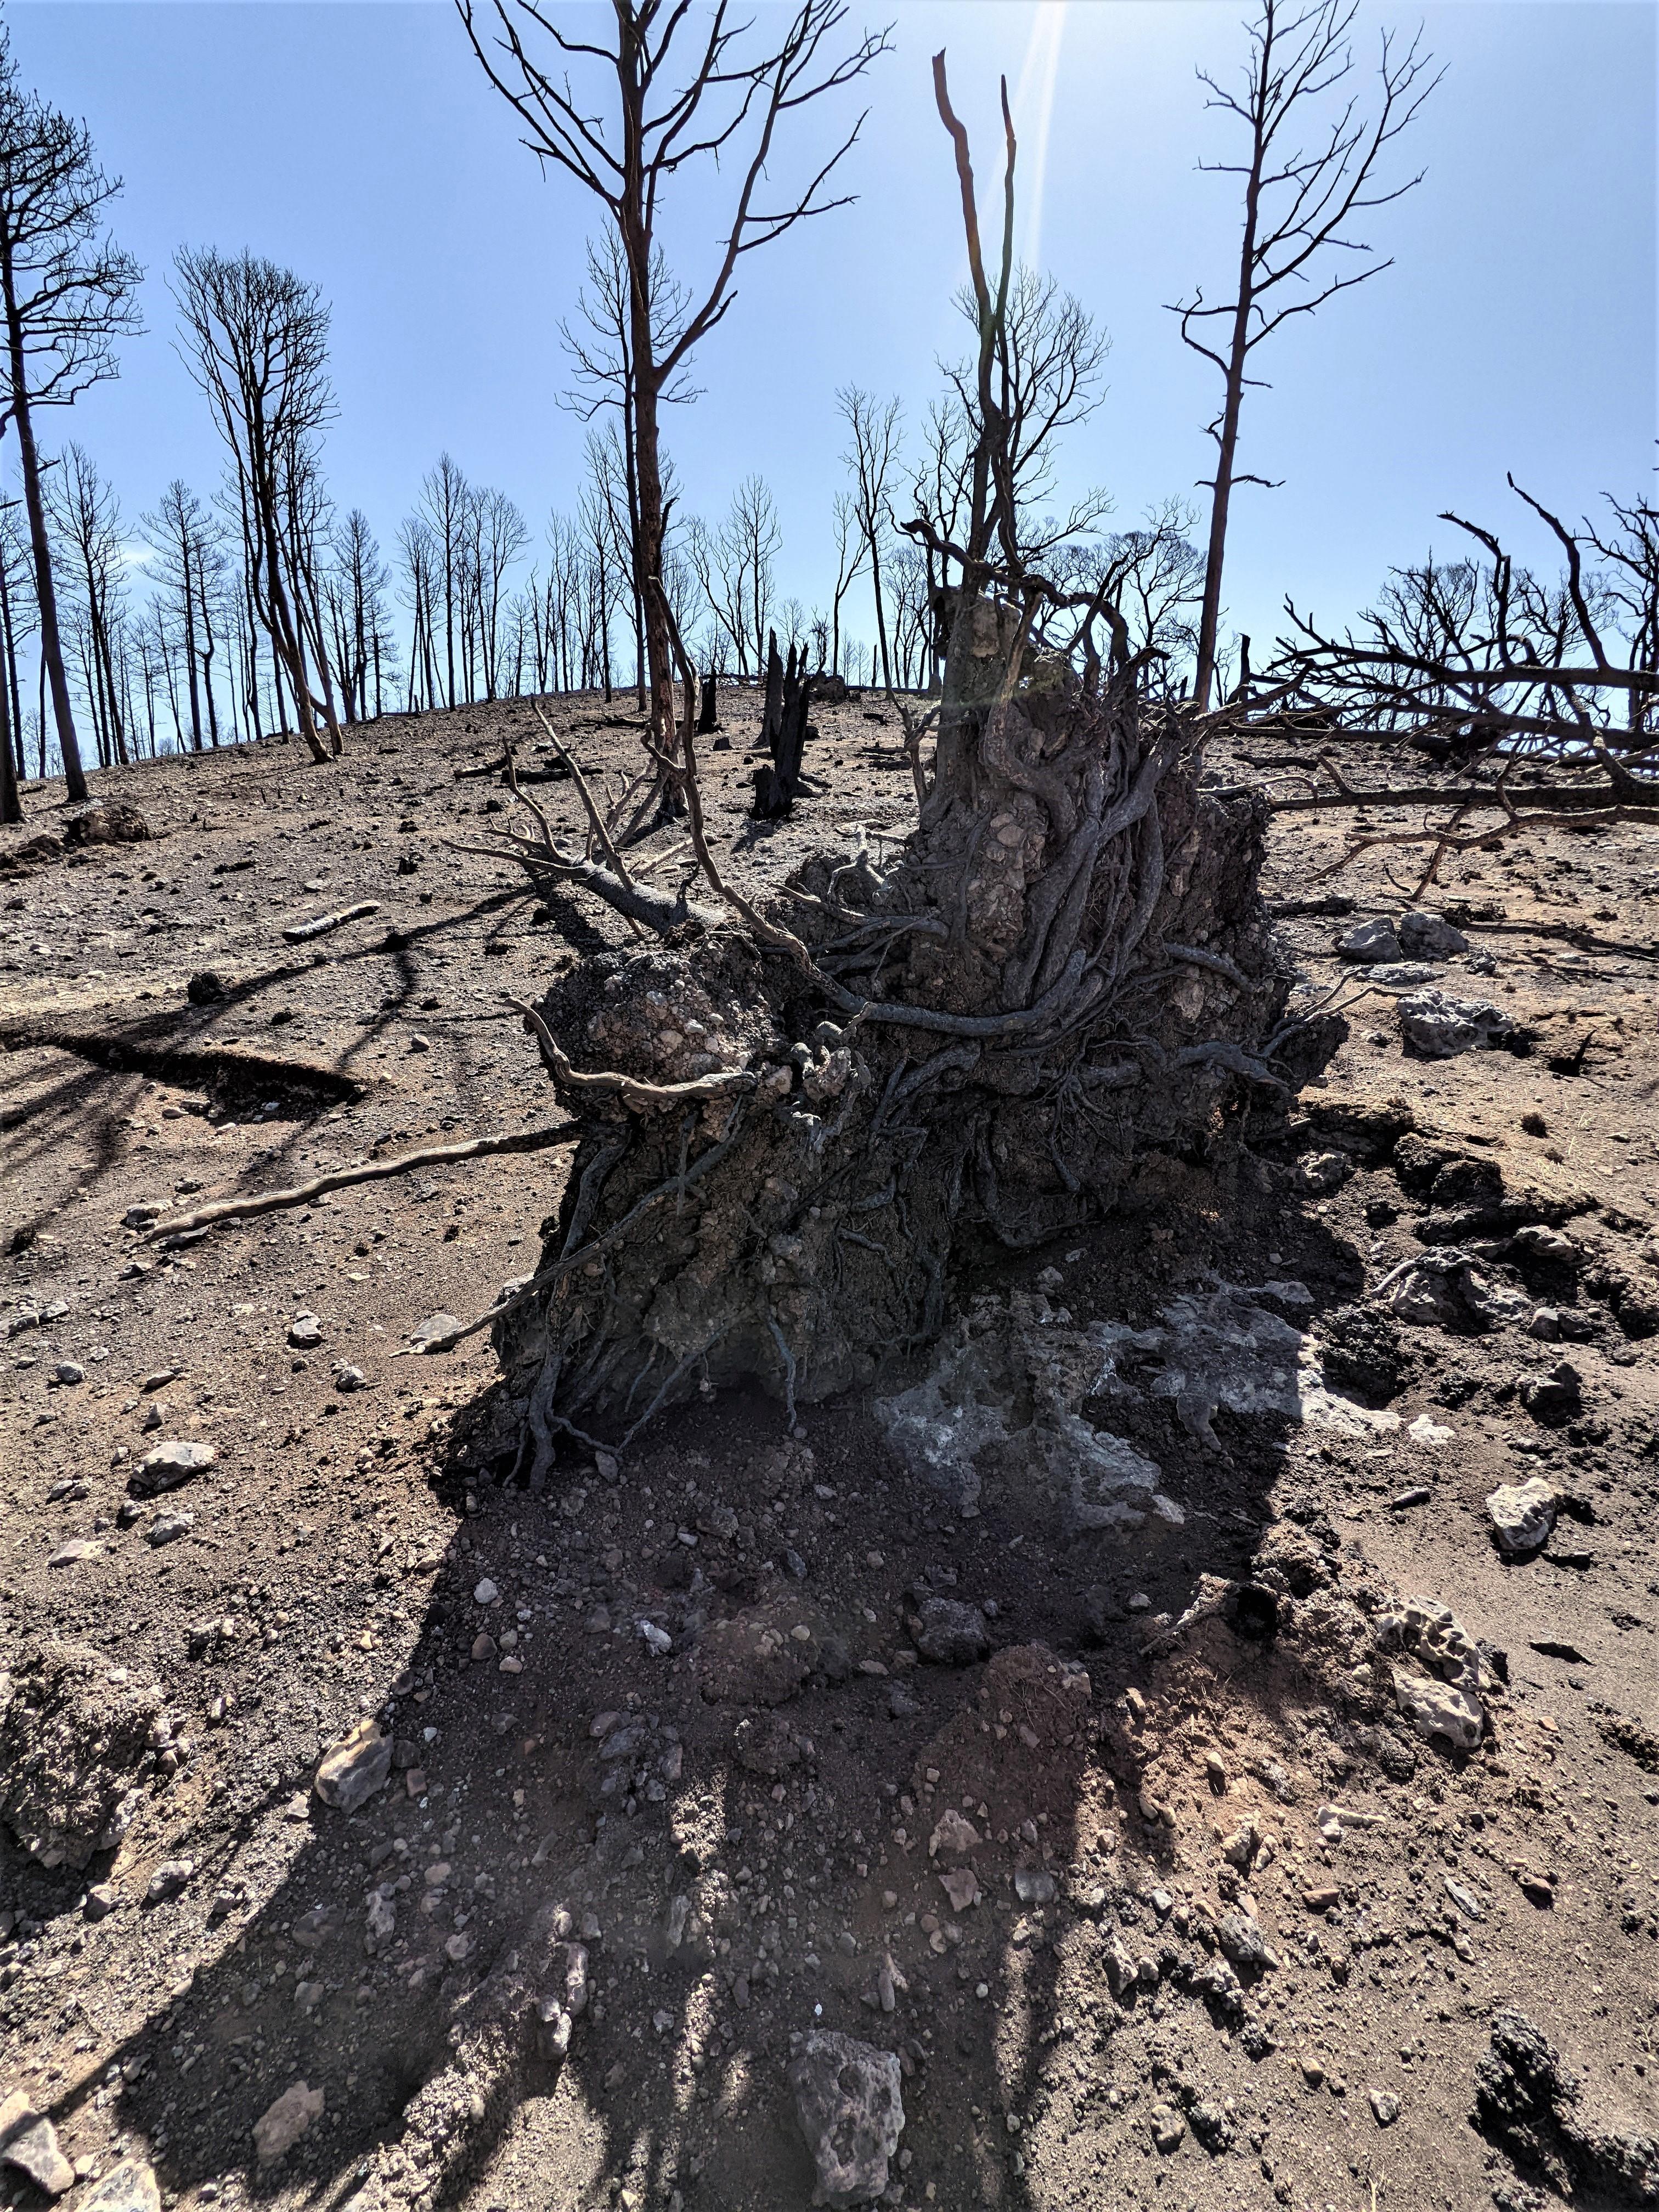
x,y
1034,107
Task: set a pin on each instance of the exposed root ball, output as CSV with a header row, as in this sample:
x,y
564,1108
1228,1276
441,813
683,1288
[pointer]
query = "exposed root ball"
x,y
985,1040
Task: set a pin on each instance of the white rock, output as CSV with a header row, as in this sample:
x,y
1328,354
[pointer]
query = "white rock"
x,y
1440,1708
1522,1514
167,1466
954,1832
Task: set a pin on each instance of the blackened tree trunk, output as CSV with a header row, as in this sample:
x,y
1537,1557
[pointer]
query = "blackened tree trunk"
x,y
52,643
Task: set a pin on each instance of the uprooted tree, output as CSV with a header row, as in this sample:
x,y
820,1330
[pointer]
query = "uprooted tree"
x,y
802,1115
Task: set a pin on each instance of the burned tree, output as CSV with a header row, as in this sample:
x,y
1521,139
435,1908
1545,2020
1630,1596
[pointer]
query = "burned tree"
x,y
67,292
256,340
784,731
1300,201
731,103
804,1113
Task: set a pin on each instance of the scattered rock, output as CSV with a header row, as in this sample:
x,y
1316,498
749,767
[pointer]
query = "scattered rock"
x,y
129,2187
1554,1398
1429,937
847,2096
205,988
1442,1699
951,1633
1449,1287
168,1880
1361,1352
1243,1944
1209,2125
954,1832
1168,2127
169,1466
70,1742
1318,1174
169,1527
1370,941
1522,1515
960,1886
1438,1026
355,1768
1439,1709
28,2142
434,1332
1526,2102
282,2125
106,821
1385,2106
72,1553
101,1900
305,1332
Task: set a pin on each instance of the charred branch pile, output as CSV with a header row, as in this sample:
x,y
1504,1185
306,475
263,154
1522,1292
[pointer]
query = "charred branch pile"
x,y
1542,701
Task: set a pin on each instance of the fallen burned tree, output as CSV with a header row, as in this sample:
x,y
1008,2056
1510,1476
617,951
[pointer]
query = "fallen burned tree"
x,y
803,1116
1540,699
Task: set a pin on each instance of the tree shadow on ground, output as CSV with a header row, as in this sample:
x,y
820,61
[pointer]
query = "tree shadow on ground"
x,y
745,1851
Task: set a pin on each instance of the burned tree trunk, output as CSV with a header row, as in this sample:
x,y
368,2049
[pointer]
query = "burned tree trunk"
x,y
709,719
785,733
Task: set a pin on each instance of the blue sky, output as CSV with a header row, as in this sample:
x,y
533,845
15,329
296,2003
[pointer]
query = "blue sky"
x,y
359,143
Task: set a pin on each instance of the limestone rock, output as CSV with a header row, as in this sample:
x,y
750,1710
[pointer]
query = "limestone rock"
x,y
168,1465
846,2095
1440,1708
1522,1514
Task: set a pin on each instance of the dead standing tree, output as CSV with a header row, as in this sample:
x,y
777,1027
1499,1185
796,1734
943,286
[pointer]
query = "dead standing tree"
x,y
256,340
729,105
802,1115
67,293
1299,202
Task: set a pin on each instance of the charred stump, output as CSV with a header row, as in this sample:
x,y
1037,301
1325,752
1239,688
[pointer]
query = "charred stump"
x,y
803,1127
709,719
786,732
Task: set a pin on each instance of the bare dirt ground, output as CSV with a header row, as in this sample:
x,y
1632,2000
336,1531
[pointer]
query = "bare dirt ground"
x,y
1152,1909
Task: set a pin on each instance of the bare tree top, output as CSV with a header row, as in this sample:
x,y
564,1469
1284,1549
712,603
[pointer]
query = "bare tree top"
x,y
693,88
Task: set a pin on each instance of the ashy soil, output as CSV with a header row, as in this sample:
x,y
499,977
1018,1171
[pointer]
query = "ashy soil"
x,y
1126,1840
